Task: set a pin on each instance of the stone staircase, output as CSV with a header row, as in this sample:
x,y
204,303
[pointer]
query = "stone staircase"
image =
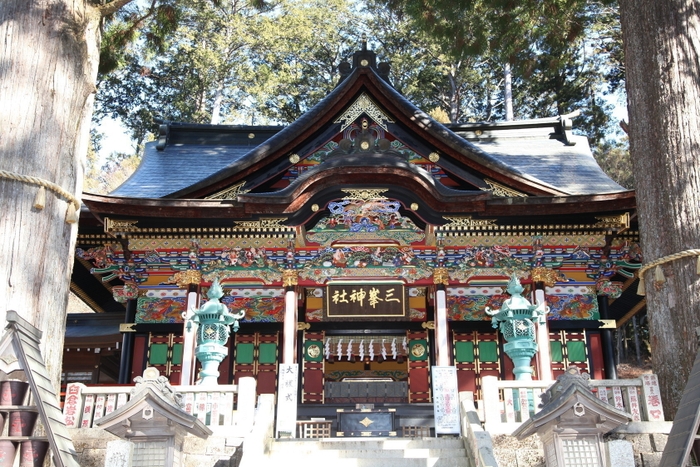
x,y
374,452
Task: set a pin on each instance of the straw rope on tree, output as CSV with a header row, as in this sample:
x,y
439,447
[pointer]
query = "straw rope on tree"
x,y
658,272
40,199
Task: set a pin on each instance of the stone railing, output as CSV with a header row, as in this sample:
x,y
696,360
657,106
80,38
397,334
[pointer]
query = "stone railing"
x,y
213,405
477,441
506,404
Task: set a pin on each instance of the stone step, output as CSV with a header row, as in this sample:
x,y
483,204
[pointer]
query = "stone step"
x,y
374,453
367,444
377,462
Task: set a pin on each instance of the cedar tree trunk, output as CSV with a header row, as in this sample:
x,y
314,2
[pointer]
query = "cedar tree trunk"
x,y
662,58
48,66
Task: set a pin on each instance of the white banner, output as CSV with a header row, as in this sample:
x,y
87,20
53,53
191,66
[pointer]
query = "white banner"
x,y
445,400
287,399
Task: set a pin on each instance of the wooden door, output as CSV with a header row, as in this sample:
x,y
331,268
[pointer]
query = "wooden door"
x,y
257,354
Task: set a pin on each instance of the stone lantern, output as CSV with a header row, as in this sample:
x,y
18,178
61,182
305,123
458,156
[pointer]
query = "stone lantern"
x,y
516,319
214,319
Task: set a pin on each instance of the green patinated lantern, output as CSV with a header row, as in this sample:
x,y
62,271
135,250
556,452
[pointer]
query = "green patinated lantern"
x,y
516,319
214,320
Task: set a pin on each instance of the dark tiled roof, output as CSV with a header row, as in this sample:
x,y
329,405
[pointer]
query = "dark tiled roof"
x,y
162,173
197,156
571,169
192,153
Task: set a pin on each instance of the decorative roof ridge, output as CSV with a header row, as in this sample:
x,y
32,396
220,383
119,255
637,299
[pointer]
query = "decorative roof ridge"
x,y
372,159
328,107
556,121
364,58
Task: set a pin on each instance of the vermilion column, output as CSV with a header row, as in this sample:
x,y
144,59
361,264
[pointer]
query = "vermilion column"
x,y
443,349
290,326
190,338
289,336
545,356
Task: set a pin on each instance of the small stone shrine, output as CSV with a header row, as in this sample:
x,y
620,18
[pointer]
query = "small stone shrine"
x,y
154,423
572,422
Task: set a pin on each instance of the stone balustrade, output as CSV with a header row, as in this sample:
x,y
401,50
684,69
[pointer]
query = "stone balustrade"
x,y
506,404
215,406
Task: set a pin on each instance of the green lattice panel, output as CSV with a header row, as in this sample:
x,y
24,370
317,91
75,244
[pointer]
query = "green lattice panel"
x,y
244,353
268,353
556,351
576,350
177,354
158,354
464,352
488,351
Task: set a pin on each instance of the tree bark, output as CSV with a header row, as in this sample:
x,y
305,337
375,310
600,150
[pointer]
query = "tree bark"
x,y
50,53
508,91
662,56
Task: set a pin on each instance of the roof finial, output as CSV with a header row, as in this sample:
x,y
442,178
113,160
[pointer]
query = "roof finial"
x,y
364,41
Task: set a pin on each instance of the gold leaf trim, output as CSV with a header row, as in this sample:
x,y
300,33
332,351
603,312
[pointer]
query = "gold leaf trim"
x,y
501,190
365,194
262,224
465,222
120,226
231,192
186,278
290,278
548,276
363,104
620,221
441,276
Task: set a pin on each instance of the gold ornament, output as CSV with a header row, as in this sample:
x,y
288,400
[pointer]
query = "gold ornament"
x,y
547,276
185,278
290,278
441,276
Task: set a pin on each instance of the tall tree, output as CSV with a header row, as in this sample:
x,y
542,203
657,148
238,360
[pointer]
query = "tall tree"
x,y
194,75
662,62
229,63
542,47
430,73
296,53
50,55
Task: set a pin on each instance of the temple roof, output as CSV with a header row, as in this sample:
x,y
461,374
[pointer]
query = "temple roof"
x,y
535,157
542,149
189,153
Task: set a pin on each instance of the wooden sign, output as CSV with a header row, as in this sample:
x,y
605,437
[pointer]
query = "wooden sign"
x,y
366,300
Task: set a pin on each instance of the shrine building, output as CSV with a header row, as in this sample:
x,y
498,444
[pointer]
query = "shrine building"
x,y
364,242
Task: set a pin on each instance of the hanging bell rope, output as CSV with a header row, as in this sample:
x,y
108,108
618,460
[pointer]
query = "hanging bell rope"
x,y
658,272
40,199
